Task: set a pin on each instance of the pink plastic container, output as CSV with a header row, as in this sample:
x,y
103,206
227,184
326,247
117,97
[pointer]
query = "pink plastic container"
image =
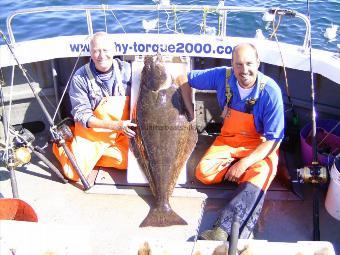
x,y
329,147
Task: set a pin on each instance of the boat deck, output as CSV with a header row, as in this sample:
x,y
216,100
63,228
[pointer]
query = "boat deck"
x,y
105,219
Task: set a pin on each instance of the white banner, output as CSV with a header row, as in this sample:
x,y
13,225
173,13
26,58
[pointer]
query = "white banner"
x,y
324,62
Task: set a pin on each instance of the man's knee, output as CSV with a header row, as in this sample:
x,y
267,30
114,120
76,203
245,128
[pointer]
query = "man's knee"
x,y
207,175
202,178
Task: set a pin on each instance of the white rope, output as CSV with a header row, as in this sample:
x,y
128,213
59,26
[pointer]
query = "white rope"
x,y
175,23
158,23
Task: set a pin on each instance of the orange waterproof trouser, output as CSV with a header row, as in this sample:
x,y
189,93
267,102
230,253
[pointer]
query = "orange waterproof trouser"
x,y
237,140
98,147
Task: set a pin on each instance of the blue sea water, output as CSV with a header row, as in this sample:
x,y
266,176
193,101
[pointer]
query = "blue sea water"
x,y
323,14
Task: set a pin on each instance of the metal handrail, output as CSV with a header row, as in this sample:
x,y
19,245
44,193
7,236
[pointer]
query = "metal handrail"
x,y
219,8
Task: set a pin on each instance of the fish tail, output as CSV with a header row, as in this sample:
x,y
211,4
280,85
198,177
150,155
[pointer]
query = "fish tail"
x,y
159,217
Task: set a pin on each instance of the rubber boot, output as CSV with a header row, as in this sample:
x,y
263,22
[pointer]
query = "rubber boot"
x,y
217,234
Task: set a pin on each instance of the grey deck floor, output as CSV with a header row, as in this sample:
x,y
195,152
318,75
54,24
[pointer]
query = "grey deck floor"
x,y
106,219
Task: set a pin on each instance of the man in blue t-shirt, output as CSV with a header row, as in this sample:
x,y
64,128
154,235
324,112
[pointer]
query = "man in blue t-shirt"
x,y
246,150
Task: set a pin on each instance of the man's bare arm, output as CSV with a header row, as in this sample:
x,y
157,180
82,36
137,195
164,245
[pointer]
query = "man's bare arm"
x,y
119,125
186,90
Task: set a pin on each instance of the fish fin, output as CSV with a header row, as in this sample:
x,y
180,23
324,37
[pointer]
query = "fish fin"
x,y
158,217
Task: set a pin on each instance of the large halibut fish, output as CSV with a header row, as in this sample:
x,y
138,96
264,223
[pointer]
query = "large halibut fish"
x,y
164,138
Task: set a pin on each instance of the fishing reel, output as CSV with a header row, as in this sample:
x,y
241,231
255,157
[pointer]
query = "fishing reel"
x,y
22,156
23,137
63,130
21,152
315,174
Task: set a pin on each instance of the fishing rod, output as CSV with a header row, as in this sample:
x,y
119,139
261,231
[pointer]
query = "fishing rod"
x,y
13,208
9,153
22,143
20,147
198,225
234,235
57,136
315,174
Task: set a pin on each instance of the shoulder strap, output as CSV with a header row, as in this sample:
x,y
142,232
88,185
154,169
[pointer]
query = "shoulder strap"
x,y
263,83
251,102
119,88
228,93
92,79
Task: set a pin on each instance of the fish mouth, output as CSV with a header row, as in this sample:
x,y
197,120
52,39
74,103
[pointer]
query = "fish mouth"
x,y
155,73
153,60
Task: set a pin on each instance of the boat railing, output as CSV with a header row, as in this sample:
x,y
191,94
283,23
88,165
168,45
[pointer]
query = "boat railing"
x,y
222,10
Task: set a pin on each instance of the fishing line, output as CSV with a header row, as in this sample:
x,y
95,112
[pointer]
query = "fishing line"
x,y
120,24
69,79
315,168
104,7
274,34
41,91
315,153
9,152
27,76
328,133
5,123
9,108
2,84
56,134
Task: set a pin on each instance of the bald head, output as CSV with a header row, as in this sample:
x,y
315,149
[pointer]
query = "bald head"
x,y
101,50
245,62
247,46
100,37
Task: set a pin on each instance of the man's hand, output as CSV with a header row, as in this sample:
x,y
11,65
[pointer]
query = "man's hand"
x,y
262,151
186,91
126,127
236,170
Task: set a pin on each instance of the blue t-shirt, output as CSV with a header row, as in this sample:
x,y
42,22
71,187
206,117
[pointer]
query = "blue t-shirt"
x,y
268,110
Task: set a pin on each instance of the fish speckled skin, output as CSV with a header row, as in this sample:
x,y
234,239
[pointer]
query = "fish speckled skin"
x,y
164,138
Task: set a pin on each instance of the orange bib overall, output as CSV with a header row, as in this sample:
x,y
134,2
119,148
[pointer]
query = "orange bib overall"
x,y
238,139
97,146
